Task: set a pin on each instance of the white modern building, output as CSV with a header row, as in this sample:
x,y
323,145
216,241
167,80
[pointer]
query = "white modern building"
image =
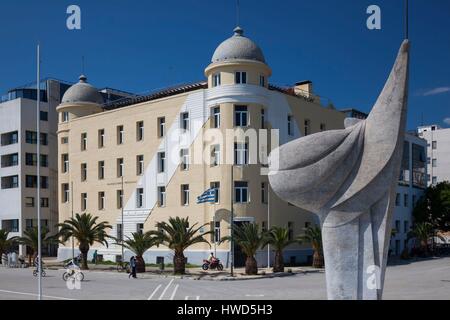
x,y
18,152
438,140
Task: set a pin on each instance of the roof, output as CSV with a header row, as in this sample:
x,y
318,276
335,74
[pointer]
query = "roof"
x,y
82,92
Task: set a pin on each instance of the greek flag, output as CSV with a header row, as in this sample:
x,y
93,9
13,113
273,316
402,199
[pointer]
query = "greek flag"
x,y
207,196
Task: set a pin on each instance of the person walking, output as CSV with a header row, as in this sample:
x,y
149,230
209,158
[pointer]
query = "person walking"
x,y
133,267
94,257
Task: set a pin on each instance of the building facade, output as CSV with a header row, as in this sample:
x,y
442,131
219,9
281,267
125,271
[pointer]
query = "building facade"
x,y
142,160
18,151
438,161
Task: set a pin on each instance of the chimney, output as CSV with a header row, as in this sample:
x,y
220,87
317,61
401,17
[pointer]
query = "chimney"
x,y
304,88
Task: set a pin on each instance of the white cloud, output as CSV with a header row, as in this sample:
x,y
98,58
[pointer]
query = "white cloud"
x,y
436,91
447,121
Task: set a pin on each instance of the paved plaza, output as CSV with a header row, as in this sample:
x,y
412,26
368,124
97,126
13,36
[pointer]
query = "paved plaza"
x,y
428,279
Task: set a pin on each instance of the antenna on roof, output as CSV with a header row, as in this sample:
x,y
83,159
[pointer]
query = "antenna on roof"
x,y
82,64
238,5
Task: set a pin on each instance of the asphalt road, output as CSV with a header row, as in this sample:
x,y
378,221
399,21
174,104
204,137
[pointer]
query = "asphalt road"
x,y
419,280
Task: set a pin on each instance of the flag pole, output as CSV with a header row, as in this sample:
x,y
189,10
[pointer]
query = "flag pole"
x,y
38,133
268,224
232,224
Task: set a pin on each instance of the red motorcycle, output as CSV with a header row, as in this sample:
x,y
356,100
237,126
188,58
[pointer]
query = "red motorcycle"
x,y
215,264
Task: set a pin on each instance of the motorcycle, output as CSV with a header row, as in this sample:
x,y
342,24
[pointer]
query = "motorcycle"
x,y
215,264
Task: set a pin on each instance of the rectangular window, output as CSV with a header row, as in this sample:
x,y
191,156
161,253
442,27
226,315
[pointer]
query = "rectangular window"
x,y
10,225
264,226
83,171
31,138
405,226
29,202
397,226
140,228
65,163
240,154
161,162
264,192
262,81
184,159
64,140
241,192
161,196
101,170
217,237
140,198
405,200
43,115
65,116
216,117
44,202
65,193
263,119
119,199
120,167
434,145
290,230
184,124
31,159
307,127
83,201
241,77
216,81
101,200
215,155
397,200
161,127
216,187
101,138
83,141
434,180
140,131
44,161
10,160
290,130
140,165
240,116
9,138
119,231
323,127
434,163
120,135
184,194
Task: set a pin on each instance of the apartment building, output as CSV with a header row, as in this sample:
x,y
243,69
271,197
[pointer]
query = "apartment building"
x,y
438,146
18,151
142,160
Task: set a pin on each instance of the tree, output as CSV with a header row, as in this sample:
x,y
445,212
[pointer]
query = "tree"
x,y
30,239
248,237
434,207
5,243
313,235
278,237
139,243
85,229
178,236
422,231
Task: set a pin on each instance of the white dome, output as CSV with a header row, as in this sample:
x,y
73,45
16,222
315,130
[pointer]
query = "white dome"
x,y
238,47
82,92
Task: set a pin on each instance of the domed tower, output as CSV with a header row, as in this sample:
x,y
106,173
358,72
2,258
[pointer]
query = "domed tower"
x,y
80,100
238,60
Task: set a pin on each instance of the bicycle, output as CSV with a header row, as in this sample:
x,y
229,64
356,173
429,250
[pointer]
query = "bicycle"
x,y
73,273
123,266
35,273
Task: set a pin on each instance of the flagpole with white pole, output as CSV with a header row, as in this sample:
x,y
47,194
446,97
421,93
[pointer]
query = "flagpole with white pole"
x,y
268,224
38,133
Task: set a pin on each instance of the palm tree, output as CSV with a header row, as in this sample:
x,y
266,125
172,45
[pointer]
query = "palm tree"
x,y
422,232
31,240
5,243
87,231
178,236
139,243
313,235
278,237
250,240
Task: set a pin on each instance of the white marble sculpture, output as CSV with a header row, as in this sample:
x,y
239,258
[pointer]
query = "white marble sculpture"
x,y
348,178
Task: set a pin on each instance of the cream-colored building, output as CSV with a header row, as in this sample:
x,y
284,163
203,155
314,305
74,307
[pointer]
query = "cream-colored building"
x,y
142,160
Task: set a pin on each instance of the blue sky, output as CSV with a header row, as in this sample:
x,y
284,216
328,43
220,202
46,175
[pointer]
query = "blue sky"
x,y
140,46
